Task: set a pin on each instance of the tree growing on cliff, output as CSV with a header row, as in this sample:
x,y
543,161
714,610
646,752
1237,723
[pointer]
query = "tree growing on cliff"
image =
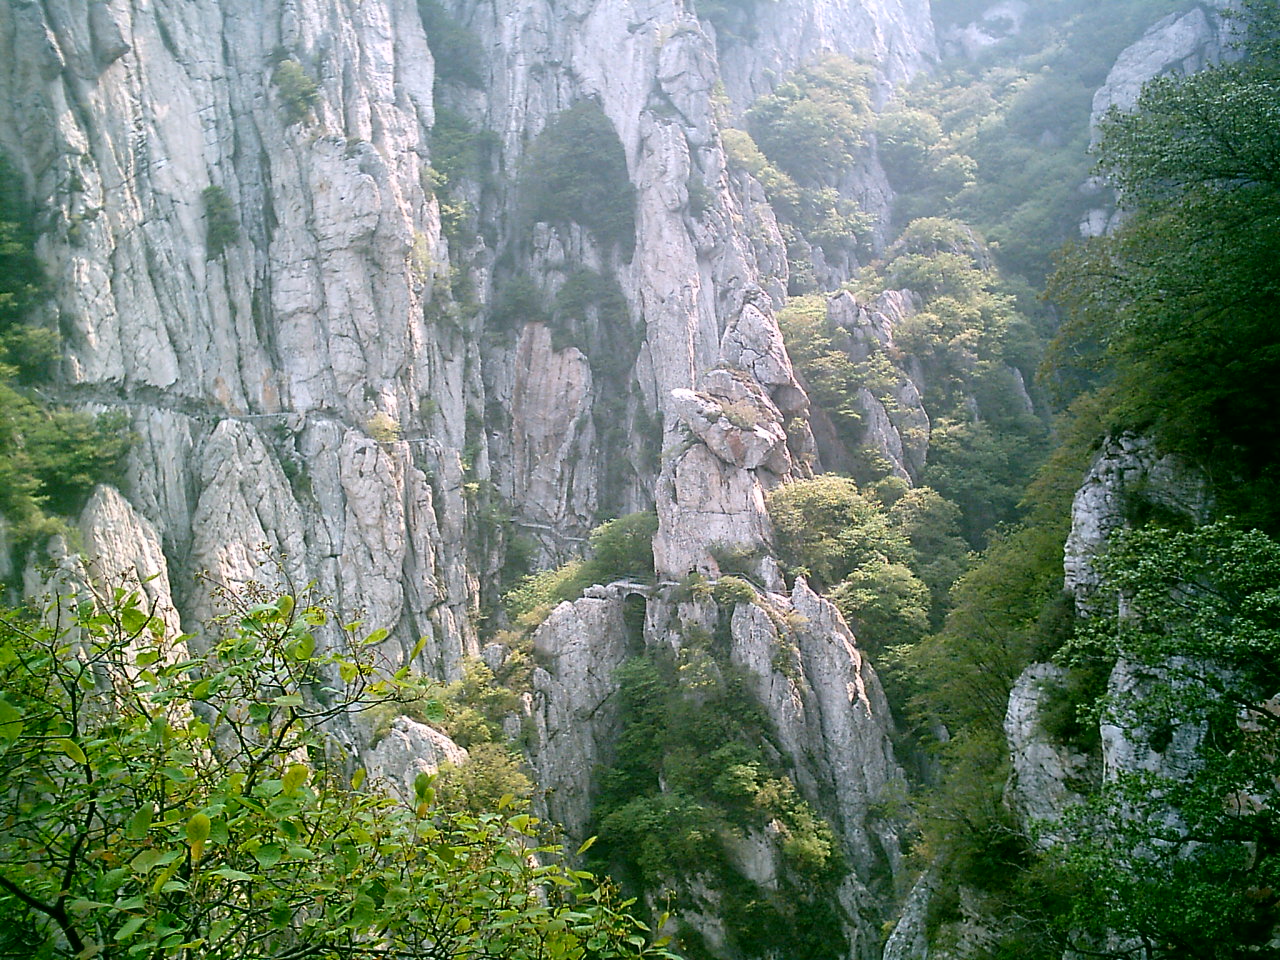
x,y
160,804
1178,856
1182,298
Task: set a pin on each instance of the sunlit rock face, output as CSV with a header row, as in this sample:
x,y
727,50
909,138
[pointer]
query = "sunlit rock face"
x,y
254,364
320,380
1046,777
1178,44
1129,476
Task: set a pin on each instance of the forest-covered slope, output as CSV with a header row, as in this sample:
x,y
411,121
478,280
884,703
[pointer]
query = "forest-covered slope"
x,y
675,388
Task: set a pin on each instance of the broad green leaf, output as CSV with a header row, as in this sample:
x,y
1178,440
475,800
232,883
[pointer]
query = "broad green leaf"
x,y
305,646
269,854
165,876
418,648
129,928
133,620
112,880
586,845
139,823
434,711
146,860
294,777
9,716
70,748
198,827
288,700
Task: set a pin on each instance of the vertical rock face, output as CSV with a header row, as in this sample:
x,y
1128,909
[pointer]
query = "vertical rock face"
x,y
896,35
1046,777
324,376
251,372
830,728
1128,477
896,424
1179,43
253,363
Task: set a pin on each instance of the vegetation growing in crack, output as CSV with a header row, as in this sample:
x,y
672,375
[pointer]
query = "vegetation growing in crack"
x,y
692,780
298,92
575,171
222,227
458,54
50,456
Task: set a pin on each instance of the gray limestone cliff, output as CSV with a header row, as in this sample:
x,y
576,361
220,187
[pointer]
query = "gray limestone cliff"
x,y
255,367
1130,480
829,718
330,377
1178,45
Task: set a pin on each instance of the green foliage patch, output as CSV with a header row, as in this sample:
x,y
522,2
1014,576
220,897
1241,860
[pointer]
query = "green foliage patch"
x,y
164,804
222,227
458,53
804,140
1001,140
1176,309
575,171
620,549
298,92
691,776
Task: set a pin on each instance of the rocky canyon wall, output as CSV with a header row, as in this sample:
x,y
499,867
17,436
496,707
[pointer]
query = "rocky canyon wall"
x,y
257,252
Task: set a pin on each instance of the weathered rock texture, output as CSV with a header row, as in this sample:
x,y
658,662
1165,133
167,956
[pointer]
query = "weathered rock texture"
x,y
1046,777
321,382
1129,478
406,750
830,727
254,373
1179,44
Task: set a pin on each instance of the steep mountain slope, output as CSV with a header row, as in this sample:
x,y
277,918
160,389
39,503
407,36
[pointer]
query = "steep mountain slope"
x,y
402,294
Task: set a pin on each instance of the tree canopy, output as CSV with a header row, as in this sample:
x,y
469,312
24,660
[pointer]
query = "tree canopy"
x,y
1181,298
1177,858
161,802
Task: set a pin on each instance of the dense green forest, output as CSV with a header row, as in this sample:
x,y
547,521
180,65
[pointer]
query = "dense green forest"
x,y
230,827
1169,332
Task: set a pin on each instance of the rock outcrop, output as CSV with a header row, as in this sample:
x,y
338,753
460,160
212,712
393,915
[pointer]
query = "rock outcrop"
x,y
1046,777
1129,477
254,364
407,749
895,423
1179,44
322,380
830,727
573,707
